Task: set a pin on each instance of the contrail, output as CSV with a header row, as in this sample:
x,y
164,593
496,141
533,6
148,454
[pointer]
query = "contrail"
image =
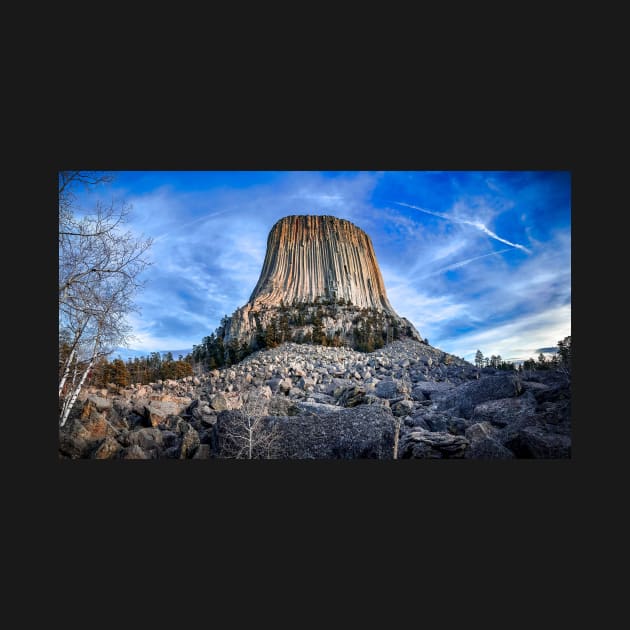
x,y
463,263
476,224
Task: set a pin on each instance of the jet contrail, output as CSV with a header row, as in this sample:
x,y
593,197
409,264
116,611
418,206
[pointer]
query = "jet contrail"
x,y
463,263
476,224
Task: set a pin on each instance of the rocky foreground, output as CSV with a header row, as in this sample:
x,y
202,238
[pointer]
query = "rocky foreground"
x,y
406,400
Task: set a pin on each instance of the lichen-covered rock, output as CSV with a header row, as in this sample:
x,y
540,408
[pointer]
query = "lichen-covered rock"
x,y
190,441
134,452
366,431
108,449
421,444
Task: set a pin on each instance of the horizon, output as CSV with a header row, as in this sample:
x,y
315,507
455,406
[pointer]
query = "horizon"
x,y
474,259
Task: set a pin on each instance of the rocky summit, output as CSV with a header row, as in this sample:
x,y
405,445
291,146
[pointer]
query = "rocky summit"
x,y
406,400
319,274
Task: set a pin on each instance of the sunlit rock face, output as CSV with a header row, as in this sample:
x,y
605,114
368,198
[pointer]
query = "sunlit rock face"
x,y
310,257
318,264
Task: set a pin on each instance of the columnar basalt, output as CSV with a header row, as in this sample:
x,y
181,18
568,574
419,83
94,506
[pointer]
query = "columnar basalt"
x,y
320,282
310,257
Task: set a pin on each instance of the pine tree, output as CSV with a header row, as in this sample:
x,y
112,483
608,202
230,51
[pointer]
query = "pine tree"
x,y
479,359
564,352
118,373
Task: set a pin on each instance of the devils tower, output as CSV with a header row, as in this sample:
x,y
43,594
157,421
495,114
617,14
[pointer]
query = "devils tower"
x,y
320,283
310,257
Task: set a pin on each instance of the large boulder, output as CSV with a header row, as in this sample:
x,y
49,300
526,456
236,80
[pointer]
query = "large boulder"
x,y
134,452
157,411
402,408
190,441
538,442
98,402
421,444
502,411
202,452
306,407
280,405
351,396
488,448
223,401
75,441
148,439
108,449
483,444
389,388
365,431
431,390
463,399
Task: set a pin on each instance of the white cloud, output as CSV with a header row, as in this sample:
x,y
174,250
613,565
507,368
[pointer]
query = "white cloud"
x,y
474,223
516,340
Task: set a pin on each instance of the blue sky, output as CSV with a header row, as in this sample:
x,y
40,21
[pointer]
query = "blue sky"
x,y
473,259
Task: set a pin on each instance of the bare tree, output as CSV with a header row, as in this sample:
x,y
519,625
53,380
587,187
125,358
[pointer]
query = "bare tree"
x,y
249,436
405,388
99,268
397,424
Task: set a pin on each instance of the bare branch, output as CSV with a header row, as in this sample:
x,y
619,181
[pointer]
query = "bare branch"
x,y
99,273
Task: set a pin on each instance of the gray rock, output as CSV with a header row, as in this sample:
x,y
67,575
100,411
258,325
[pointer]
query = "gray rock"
x,y
208,420
539,443
488,448
464,398
314,407
402,408
156,412
190,441
134,452
306,381
416,421
436,422
388,388
146,438
108,449
417,394
220,402
274,383
421,444
366,431
351,396
323,398
504,410
202,452
172,452
433,390
75,441
456,426
479,431
100,404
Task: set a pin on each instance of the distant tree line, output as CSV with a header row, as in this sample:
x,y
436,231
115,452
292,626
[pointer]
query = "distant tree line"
x,y
560,360
141,370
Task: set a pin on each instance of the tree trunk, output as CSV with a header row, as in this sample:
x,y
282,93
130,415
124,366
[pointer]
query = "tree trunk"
x,y
396,436
66,371
69,402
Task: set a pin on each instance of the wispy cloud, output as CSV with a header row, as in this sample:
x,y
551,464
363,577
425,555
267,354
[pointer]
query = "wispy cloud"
x,y
463,263
475,224
517,339
210,240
